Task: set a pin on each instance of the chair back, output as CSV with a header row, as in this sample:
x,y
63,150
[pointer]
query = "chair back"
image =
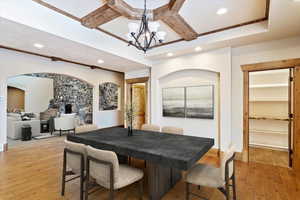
x,y
99,166
173,130
86,128
227,163
74,160
150,127
71,115
64,123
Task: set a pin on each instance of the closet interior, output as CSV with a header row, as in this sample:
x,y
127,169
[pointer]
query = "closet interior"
x,y
270,130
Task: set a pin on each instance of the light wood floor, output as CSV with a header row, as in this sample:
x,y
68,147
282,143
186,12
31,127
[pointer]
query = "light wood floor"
x,y
269,156
33,172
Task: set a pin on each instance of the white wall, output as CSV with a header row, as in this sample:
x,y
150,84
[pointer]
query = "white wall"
x,y
218,61
228,62
38,91
13,64
137,74
256,53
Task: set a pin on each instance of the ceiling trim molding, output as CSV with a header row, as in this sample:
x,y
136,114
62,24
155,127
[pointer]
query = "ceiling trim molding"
x,y
174,5
56,59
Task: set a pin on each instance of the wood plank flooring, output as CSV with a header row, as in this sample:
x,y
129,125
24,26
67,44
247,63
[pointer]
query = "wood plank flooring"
x,y
269,156
33,172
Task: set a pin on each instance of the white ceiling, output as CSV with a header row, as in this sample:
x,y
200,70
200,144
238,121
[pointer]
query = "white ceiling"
x,y
69,39
78,8
151,4
201,15
195,12
283,23
23,37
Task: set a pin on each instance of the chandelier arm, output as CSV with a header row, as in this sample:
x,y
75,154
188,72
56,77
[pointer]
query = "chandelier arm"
x,y
136,40
151,39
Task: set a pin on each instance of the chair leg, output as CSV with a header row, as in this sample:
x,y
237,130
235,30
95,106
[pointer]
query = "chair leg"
x,y
141,188
111,194
187,191
199,187
82,186
234,187
227,191
87,180
63,184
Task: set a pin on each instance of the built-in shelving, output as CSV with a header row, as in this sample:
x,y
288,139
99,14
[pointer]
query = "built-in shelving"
x,y
269,85
261,131
269,118
271,99
268,110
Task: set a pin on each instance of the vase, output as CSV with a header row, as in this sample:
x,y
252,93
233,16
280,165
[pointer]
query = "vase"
x,y
129,131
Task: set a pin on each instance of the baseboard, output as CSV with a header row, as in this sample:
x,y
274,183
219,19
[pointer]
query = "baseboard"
x,y
3,147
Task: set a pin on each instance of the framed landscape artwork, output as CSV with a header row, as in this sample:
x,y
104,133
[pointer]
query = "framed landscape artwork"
x,y
200,102
189,102
173,102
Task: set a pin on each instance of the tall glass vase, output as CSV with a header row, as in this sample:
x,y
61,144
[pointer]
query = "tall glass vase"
x,y
129,131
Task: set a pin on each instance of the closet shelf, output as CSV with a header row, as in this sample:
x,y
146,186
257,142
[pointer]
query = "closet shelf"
x,y
269,85
266,99
268,131
254,144
269,118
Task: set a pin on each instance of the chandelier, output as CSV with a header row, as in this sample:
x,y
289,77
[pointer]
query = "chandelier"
x,y
145,35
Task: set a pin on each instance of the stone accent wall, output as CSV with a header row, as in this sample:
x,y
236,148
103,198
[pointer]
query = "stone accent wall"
x,y
70,90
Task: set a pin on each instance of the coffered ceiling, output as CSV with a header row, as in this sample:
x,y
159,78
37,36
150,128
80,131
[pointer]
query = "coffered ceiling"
x,y
57,24
180,19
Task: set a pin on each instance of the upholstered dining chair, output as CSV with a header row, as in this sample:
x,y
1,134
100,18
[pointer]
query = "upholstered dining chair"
x,y
74,159
104,167
85,128
150,127
210,176
173,130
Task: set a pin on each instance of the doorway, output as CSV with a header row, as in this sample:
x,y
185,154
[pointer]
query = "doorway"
x,y
294,113
137,97
15,99
270,117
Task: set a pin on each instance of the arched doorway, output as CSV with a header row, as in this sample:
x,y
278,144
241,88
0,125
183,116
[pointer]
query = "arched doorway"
x,y
48,92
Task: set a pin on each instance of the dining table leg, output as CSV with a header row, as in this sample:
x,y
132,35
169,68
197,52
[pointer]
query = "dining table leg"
x,y
161,179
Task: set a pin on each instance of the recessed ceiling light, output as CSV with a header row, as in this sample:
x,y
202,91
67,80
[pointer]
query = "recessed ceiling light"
x,y
170,54
222,11
198,49
39,46
100,61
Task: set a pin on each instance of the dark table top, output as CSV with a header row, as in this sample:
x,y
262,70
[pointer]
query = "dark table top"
x,y
170,150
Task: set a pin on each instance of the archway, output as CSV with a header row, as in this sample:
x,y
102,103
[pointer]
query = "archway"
x,y
44,91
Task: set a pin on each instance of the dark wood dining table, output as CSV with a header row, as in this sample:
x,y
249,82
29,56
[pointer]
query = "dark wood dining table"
x,y
167,155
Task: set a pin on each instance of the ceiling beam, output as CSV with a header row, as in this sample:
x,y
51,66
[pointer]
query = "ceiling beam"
x,y
127,11
175,5
180,26
100,16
